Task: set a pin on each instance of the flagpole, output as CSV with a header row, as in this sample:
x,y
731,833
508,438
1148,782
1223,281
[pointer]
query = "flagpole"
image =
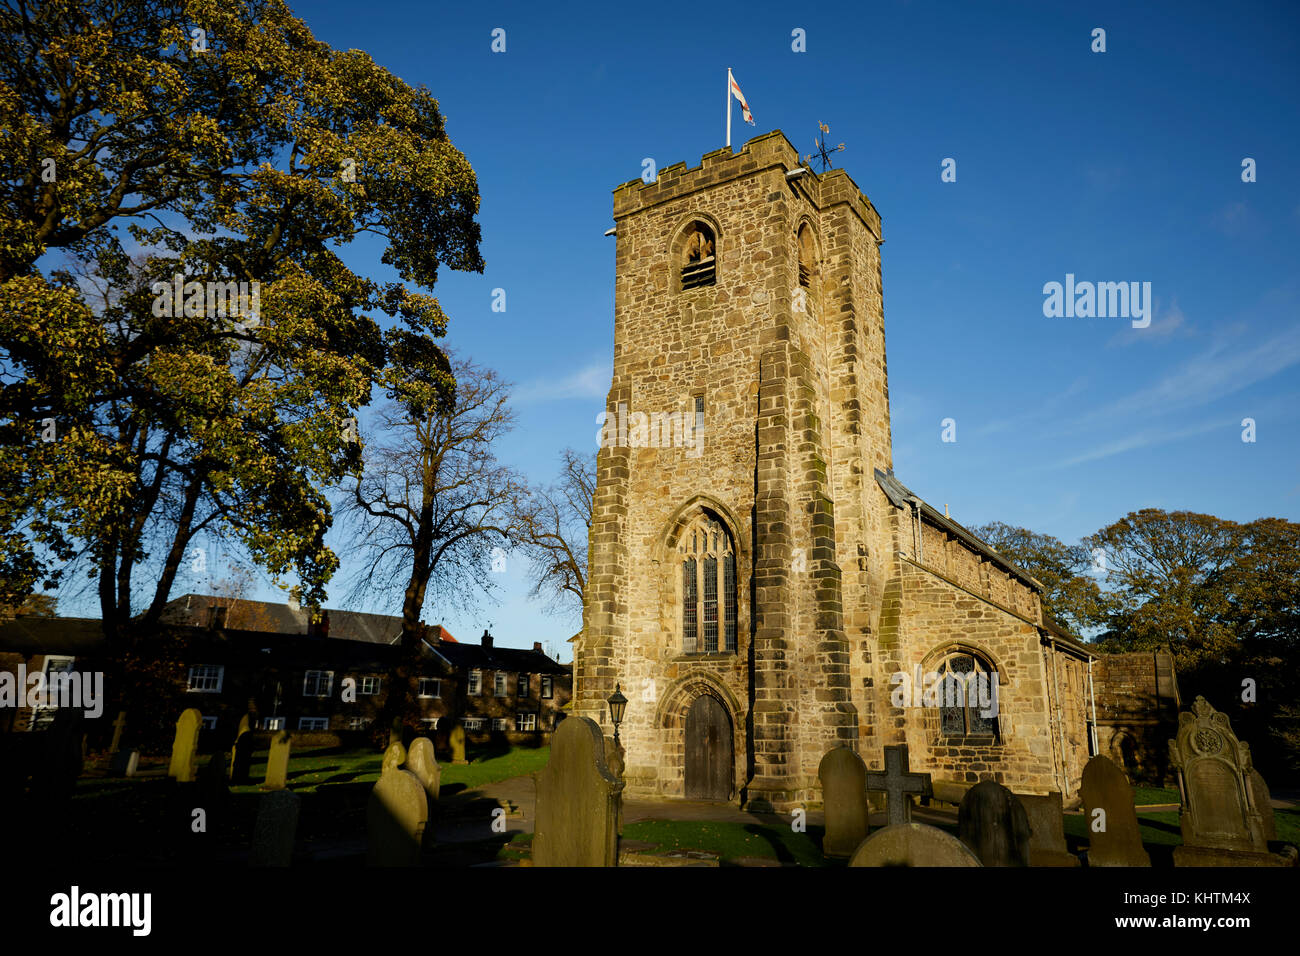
x,y
728,107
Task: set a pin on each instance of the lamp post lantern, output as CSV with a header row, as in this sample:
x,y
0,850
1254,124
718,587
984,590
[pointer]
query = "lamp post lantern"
x,y
617,705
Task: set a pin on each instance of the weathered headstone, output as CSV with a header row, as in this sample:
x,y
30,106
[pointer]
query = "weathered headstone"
x,y
396,818
185,746
124,763
843,777
119,725
1113,835
241,757
913,844
275,829
421,761
1263,801
394,756
994,825
456,739
579,800
395,744
897,783
277,761
1220,822
62,758
1047,845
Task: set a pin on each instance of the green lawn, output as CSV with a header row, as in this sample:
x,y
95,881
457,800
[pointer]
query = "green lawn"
x,y
731,841
1149,796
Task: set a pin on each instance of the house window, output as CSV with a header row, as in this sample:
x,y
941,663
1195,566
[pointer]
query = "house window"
x,y
548,687
358,723
209,723
475,683
707,561
500,723
499,685
369,686
273,723
807,256
317,683
430,722
967,697
313,723
525,722
473,723
698,260
430,687
524,685
206,678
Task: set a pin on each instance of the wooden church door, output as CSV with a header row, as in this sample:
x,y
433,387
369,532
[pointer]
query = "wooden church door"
x,y
710,762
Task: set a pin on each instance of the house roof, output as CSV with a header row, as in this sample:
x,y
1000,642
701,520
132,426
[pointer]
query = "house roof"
x,y
51,635
471,656
273,618
902,497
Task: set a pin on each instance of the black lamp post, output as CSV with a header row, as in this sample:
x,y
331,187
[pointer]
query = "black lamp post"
x,y
617,705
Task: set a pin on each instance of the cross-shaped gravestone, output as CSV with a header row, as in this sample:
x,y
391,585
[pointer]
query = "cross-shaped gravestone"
x,y
897,783
118,726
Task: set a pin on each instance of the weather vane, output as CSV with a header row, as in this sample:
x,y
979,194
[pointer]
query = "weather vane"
x,y
823,154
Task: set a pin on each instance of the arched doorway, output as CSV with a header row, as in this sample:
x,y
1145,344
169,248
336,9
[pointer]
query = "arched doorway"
x,y
710,760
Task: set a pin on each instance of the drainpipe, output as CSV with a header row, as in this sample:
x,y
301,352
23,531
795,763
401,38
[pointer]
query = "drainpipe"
x,y
1092,699
1060,724
918,530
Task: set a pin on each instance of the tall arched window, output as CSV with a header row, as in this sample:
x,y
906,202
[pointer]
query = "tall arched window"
x,y
698,262
708,563
968,692
807,256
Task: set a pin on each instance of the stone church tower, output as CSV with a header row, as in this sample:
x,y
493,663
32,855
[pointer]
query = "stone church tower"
x,y
756,573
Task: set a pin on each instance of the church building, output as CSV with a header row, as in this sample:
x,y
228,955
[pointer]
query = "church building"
x,y
761,586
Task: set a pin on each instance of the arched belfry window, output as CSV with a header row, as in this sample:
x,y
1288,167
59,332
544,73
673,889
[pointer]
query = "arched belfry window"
x,y
698,256
968,695
708,569
807,256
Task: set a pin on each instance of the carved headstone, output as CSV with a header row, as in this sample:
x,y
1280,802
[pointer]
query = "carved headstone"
x,y
396,818
1047,845
421,761
62,758
124,763
456,740
275,829
394,756
898,784
119,726
185,745
277,761
843,777
913,844
1263,801
1213,775
579,800
1113,835
241,758
994,825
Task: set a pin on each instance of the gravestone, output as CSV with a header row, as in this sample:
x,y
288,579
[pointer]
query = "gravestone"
x,y
843,777
62,758
1263,801
913,844
395,741
394,756
1221,824
1113,836
124,763
898,783
456,740
994,825
119,725
275,829
185,745
421,761
1047,845
396,818
241,757
579,800
277,761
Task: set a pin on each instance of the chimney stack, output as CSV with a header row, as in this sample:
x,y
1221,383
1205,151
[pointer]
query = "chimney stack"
x,y
537,646
487,639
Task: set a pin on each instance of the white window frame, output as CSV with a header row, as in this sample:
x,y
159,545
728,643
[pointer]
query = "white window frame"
x,y
329,685
548,687
475,683
273,723
500,684
209,723
473,723
526,721
437,688
202,672
523,685
369,686
431,722
359,723
500,723
313,723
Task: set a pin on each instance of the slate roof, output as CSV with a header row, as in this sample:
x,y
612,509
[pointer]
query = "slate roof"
x,y
471,656
51,635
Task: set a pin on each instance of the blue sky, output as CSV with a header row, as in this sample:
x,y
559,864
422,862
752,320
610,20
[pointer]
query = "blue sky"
x,y
1117,166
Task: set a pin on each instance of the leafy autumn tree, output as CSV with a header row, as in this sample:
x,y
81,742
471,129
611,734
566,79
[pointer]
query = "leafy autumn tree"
x,y
431,507
230,146
554,523
1070,592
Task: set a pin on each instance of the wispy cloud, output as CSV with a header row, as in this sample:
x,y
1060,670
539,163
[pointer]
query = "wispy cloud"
x,y
590,381
1168,325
